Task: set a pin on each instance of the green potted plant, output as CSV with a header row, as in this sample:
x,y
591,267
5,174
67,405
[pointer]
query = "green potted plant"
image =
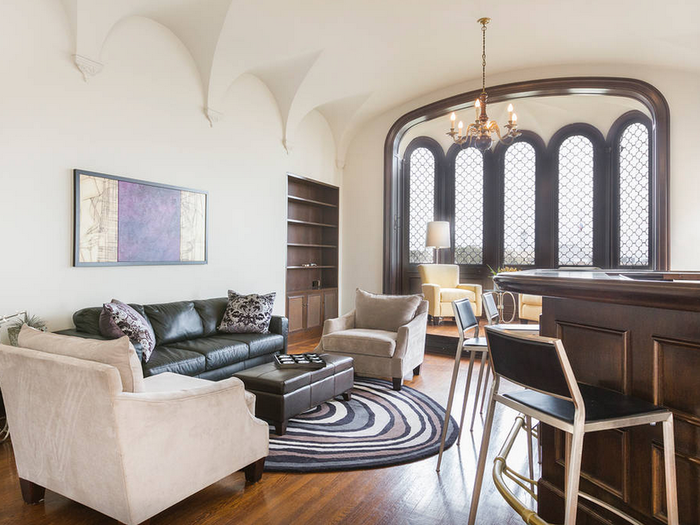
x,y
16,325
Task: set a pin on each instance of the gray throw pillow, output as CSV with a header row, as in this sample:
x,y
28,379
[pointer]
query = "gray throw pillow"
x,y
384,312
247,314
118,319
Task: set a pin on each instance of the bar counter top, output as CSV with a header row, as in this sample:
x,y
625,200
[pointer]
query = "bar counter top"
x,y
668,290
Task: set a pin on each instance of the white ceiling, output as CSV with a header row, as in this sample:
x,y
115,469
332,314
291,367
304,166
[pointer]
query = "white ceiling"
x,y
353,59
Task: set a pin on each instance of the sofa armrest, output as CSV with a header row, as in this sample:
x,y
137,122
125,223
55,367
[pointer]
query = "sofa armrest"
x,y
478,290
173,444
432,295
344,322
280,325
411,336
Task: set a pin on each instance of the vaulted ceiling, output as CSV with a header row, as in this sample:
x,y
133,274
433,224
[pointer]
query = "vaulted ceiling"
x,y
353,59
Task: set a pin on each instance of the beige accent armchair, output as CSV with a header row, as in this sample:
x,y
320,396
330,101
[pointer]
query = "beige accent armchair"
x,y
529,307
385,340
441,286
126,455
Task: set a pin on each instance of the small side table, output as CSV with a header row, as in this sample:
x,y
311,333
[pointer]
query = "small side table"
x,y
500,304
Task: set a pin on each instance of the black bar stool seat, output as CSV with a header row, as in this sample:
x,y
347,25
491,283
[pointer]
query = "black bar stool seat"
x,y
600,403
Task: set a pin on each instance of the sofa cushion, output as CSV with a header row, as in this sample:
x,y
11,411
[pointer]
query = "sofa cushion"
x,y
384,312
176,360
378,343
211,311
173,322
447,295
88,319
219,351
259,344
118,353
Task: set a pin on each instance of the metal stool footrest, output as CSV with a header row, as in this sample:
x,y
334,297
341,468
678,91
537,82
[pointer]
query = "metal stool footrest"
x,y
529,516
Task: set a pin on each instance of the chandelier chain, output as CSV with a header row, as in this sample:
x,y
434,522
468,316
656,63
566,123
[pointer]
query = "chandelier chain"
x,y
483,58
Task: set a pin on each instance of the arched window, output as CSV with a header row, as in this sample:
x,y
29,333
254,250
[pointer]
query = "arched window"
x,y
633,199
422,170
519,172
575,214
469,207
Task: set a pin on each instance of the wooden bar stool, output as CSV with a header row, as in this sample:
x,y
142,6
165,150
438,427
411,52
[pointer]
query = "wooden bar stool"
x,y
553,396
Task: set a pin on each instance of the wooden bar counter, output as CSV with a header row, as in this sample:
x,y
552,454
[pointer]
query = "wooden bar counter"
x,y
637,333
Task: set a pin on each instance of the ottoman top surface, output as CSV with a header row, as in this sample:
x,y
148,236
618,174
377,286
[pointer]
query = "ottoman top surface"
x,y
269,378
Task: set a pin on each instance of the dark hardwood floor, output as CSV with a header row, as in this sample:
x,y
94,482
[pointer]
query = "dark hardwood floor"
x,y
412,493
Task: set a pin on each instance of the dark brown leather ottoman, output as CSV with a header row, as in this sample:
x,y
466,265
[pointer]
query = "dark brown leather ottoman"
x,y
282,394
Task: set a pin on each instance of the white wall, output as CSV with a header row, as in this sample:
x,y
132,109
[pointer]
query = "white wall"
x,y
141,117
363,182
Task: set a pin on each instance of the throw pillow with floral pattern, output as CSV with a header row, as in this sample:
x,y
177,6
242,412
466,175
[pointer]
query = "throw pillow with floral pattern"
x,y
247,314
131,324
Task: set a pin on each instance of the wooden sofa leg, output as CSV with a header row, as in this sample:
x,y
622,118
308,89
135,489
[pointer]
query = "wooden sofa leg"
x,y
281,427
416,370
254,471
31,492
397,382
347,396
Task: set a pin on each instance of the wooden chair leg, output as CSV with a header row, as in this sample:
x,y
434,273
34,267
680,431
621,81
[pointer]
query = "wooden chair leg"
x,y
31,492
416,370
254,471
397,383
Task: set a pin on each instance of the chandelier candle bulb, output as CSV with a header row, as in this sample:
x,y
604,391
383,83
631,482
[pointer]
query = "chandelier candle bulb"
x,y
477,105
510,113
453,117
460,126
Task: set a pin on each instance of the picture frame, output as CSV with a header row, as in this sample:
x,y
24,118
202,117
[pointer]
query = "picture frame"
x,y
119,221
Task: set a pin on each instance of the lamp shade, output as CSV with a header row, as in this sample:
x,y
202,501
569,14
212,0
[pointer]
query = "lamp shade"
x,y
438,234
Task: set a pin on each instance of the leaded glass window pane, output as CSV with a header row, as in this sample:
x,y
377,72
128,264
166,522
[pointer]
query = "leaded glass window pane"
x,y
421,204
634,196
469,207
576,202
519,205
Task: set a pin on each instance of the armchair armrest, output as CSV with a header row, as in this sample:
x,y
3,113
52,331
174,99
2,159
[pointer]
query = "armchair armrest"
x,y
477,289
411,336
432,295
344,322
176,443
280,325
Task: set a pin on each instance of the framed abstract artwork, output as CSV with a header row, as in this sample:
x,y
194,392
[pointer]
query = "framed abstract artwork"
x,y
120,221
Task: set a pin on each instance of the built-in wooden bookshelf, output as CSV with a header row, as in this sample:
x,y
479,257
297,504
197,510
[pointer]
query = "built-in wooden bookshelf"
x,y
312,256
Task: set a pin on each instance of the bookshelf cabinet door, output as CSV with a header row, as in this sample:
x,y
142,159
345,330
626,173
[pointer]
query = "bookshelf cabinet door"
x,y
295,312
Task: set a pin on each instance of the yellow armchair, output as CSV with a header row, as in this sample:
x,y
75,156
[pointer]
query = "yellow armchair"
x,y
441,286
529,307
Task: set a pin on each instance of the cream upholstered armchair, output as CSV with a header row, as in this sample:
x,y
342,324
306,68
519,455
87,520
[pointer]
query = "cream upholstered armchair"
x,y
529,307
441,286
384,334
129,455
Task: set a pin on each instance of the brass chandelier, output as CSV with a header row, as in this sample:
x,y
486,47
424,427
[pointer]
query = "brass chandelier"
x,y
480,133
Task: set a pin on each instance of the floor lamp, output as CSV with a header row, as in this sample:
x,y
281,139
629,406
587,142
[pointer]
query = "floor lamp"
x,y
438,236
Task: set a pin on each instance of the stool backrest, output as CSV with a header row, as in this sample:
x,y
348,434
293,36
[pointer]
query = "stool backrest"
x,y
490,308
534,362
464,315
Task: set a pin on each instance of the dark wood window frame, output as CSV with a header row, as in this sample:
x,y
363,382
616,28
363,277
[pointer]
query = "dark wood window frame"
x,y
648,95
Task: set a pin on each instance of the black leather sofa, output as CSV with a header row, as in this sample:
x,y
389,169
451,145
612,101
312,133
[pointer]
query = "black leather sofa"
x,y
187,341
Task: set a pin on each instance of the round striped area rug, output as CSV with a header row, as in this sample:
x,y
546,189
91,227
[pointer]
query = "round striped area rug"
x,y
378,427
